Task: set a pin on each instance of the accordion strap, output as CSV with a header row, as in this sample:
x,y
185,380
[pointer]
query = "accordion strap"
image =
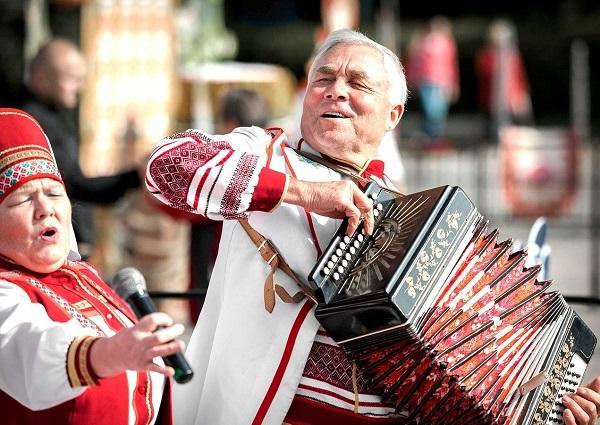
x,y
276,261
345,170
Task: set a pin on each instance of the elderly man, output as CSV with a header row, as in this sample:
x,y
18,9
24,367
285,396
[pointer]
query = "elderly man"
x,y
56,78
258,350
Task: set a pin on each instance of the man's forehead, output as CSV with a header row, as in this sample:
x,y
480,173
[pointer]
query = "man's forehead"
x,y
367,58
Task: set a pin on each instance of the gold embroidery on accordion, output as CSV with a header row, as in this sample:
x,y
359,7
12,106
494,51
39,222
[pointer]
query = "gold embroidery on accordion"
x,y
430,257
552,387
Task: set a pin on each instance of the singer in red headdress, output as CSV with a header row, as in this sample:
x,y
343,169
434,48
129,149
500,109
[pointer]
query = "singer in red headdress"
x,y
72,351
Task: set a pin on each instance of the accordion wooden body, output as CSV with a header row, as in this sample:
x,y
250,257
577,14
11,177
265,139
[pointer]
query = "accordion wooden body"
x,y
445,320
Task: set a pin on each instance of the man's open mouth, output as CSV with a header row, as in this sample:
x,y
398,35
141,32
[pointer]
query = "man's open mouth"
x,y
333,115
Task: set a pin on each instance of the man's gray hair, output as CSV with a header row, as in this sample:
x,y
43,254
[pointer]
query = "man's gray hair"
x,y
398,91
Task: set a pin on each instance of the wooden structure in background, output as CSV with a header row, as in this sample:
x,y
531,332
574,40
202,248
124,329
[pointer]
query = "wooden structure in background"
x,y
128,105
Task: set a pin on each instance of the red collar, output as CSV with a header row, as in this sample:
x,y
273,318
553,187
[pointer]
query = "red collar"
x,y
373,167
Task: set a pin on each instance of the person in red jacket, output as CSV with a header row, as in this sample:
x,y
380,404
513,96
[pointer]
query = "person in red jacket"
x,y
503,84
432,71
73,352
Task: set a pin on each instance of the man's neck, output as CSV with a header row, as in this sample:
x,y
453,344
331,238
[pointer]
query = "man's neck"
x,y
357,163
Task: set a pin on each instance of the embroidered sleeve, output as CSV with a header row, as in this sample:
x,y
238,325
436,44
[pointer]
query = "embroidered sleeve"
x,y
79,368
219,177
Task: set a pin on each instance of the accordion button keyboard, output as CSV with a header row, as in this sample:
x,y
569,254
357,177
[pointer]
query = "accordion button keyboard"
x,y
343,245
346,239
569,384
356,244
336,276
379,207
345,263
347,256
339,252
334,258
340,269
360,237
326,271
352,250
375,213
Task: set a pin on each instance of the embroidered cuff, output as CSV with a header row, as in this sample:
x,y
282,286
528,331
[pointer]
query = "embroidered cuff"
x,y
79,368
269,191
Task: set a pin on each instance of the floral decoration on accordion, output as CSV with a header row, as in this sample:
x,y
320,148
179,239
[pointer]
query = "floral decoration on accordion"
x,y
430,257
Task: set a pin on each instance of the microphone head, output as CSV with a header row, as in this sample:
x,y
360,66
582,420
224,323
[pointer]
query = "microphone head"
x,y
128,281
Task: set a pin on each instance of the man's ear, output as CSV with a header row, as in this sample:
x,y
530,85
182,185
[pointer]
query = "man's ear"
x,y
395,115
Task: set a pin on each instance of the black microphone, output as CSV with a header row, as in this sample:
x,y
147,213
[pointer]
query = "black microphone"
x,y
129,284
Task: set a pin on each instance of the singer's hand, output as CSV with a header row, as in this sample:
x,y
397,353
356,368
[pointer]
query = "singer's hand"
x,y
333,199
583,407
135,348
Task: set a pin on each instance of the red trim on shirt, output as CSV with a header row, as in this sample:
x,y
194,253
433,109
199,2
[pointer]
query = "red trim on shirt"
x,y
205,176
275,134
338,396
304,411
313,233
268,191
375,167
140,405
285,358
311,226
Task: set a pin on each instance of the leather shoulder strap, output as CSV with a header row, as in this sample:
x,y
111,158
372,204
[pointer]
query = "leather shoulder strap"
x,y
272,257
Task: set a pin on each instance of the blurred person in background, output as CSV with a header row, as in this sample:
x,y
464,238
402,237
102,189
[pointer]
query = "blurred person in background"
x,y
73,352
56,78
432,70
242,108
503,84
12,57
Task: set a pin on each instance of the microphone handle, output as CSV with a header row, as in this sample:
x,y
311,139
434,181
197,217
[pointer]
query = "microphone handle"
x,y
183,371
142,305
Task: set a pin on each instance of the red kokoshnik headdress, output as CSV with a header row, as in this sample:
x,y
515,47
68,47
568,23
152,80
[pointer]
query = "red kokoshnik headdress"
x,y
25,152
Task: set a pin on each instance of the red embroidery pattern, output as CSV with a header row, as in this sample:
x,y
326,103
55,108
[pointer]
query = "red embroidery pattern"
x,y
329,363
22,170
239,183
174,169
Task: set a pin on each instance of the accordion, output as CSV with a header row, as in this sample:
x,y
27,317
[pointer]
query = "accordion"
x,y
445,320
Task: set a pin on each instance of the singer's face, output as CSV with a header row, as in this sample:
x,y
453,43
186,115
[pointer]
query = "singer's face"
x,y
35,225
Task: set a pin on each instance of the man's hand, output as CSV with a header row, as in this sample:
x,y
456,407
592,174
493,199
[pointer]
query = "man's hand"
x,y
135,348
582,408
333,199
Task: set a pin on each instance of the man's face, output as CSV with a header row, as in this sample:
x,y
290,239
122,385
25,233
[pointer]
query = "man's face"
x,y
68,76
35,225
347,108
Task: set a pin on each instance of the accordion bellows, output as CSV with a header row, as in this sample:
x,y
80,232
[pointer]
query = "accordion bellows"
x,y
446,321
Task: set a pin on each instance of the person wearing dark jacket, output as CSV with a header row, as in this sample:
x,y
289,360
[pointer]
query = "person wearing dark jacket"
x,y
56,78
